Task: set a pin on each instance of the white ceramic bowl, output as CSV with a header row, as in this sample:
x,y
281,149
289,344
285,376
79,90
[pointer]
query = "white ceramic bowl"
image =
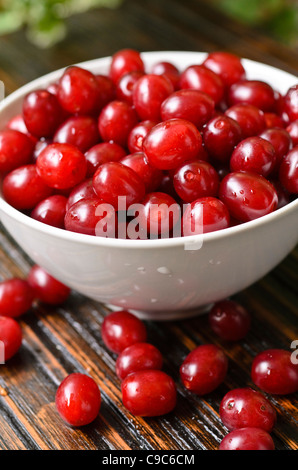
x,y
160,279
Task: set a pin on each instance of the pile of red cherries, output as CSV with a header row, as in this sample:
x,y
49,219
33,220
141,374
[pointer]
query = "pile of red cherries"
x,y
206,138
148,391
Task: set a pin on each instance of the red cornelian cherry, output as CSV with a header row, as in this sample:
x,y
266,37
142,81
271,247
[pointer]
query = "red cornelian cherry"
x,y
169,70
158,215
195,179
51,211
229,320
10,336
42,113
247,408
113,180
150,176
46,288
23,188
138,356
83,190
254,154
193,105
107,90
116,121
292,129
247,195
91,216
125,85
274,372
250,119
273,120
247,439
172,142
288,171
16,149
78,91
203,79
16,297
282,194
149,393
254,92
228,66
204,369
206,214
138,134
148,94
281,141
220,136
103,152
61,166
81,131
125,61
78,399
291,103
17,123
122,329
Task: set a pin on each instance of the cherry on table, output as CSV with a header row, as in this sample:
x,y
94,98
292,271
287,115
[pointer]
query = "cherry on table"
x,y
78,399
10,336
138,356
122,329
46,288
229,320
247,439
16,297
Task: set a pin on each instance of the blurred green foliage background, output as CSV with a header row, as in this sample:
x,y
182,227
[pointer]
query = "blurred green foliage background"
x,y
44,20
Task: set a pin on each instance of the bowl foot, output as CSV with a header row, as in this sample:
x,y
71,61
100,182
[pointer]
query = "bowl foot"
x,y
164,315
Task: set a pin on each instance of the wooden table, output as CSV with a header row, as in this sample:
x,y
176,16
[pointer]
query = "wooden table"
x,y
58,341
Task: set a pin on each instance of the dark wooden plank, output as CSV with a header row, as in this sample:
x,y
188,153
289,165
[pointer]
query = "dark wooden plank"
x,y
58,341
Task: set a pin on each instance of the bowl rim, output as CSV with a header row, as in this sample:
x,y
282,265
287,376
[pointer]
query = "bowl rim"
x,y
128,243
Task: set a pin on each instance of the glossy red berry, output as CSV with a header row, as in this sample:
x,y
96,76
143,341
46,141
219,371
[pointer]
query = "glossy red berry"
x,y
16,297
91,216
80,131
203,79
292,129
220,136
138,356
228,66
42,113
138,134
204,369
23,188
291,103
46,288
247,408
288,171
17,123
10,337
61,166
150,176
250,118
107,90
274,372
172,142
149,393
229,320
122,329
281,141
168,70
247,439
103,152
83,190
254,92
158,214
78,399
254,154
116,121
195,179
206,214
247,195
125,85
51,211
78,91
113,180
125,61
148,94
193,105
16,149
273,120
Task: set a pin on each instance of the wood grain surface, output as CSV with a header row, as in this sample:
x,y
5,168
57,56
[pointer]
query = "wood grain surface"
x,y
58,341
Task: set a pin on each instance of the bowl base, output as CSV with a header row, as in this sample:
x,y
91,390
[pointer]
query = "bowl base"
x,y
163,315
